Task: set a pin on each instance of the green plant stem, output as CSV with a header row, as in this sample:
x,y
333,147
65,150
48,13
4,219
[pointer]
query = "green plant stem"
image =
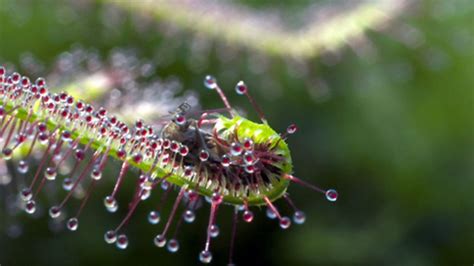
x,y
278,190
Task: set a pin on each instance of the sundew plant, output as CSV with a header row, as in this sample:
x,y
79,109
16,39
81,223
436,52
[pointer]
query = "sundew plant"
x,y
219,155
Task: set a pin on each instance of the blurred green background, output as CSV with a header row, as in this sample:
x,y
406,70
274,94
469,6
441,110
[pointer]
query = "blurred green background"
x,y
388,122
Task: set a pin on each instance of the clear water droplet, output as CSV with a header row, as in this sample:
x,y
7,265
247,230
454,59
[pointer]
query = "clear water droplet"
x,y
249,169
236,149
67,184
241,88
7,154
217,198
110,204
96,174
110,237
249,158
22,167
210,82
54,212
43,138
248,144
160,241
26,194
331,195
30,207
154,217
225,160
205,256
271,214
72,224
299,217
122,242
291,129
285,222
189,216
214,231
173,245
247,216
180,119
203,155
145,194
50,173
